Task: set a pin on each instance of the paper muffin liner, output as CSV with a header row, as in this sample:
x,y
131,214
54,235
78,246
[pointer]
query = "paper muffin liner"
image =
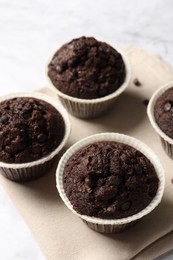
x,y
90,108
112,225
35,169
166,141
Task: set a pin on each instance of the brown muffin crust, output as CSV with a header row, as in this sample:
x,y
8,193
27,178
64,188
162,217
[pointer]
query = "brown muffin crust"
x,y
163,112
86,68
109,180
29,129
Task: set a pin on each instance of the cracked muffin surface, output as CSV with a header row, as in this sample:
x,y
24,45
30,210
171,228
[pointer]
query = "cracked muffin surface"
x,y
86,68
109,180
29,129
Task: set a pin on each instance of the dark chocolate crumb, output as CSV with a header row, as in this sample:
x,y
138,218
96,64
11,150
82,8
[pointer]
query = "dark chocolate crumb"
x,y
4,119
126,205
172,180
41,138
145,102
137,82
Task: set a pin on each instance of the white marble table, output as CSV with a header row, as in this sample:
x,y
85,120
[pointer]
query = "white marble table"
x,y
31,30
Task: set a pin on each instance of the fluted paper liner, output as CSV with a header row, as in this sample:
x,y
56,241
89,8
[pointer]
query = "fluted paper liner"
x,y
167,142
89,108
35,169
113,225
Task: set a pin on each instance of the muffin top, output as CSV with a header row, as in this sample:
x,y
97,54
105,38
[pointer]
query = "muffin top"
x,y
109,180
163,112
86,68
29,129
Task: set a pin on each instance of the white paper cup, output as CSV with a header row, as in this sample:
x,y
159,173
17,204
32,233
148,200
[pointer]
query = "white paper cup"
x,y
167,142
35,169
112,225
90,108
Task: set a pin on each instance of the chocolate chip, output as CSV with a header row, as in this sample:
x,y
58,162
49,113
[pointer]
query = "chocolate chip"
x,y
7,149
102,78
138,169
41,138
113,180
16,111
172,180
130,172
41,122
59,69
36,149
112,61
125,159
137,154
15,131
126,205
25,114
106,193
35,106
167,107
17,145
4,119
40,107
28,106
112,80
118,64
137,82
112,209
72,62
88,181
103,63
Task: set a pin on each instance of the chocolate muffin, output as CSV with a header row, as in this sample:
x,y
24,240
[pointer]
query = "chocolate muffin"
x,y
29,129
87,69
163,112
109,180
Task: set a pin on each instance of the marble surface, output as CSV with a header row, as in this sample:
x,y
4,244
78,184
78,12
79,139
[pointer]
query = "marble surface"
x,y
29,33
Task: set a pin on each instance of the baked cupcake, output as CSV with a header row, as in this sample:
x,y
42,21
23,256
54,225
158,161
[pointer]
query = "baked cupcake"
x,y
88,75
160,113
33,129
110,181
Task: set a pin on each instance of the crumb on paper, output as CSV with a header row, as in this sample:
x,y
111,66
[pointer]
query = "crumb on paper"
x,y
137,82
145,102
